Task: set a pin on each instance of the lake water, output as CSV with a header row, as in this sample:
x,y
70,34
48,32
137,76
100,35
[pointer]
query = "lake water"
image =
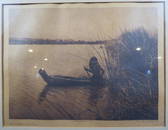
x,y
60,103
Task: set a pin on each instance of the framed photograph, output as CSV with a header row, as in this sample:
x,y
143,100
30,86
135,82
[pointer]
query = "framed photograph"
x,y
83,64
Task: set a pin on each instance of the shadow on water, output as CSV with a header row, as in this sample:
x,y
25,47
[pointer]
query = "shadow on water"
x,y
92,93
49,88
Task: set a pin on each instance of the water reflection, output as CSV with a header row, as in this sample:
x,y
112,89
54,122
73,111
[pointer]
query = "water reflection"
x,y
94,92
43,94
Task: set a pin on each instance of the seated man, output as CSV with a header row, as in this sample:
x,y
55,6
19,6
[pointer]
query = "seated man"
x,y
96,71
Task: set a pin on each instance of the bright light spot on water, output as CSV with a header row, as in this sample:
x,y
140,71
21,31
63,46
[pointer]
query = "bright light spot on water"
x,y
30,50
45,59
138,49
35,67
148,72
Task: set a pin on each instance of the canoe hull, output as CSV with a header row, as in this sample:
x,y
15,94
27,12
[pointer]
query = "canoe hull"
x,y
63,80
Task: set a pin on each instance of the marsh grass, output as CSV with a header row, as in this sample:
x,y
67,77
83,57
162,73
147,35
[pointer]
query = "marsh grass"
x,y
132,68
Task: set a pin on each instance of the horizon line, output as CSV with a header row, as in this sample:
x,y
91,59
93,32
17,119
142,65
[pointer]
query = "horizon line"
x,y
15,41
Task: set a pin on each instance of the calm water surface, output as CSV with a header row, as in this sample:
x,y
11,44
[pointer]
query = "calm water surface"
x,y
60,103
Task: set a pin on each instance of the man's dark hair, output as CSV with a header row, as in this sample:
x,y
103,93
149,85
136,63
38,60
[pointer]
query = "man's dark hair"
x,y
93,58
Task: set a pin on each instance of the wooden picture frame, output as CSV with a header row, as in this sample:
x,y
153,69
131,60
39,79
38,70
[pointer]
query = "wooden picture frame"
x,y
31,49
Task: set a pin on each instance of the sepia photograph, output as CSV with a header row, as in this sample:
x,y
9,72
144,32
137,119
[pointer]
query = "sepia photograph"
x,y
100,62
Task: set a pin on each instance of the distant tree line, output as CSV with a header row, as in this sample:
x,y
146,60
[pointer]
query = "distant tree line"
x,y
48,41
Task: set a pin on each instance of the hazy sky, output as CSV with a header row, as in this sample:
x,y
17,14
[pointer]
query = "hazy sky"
x,y
79,23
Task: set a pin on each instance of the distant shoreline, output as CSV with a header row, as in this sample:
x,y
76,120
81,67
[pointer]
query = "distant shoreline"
x,y
20,41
